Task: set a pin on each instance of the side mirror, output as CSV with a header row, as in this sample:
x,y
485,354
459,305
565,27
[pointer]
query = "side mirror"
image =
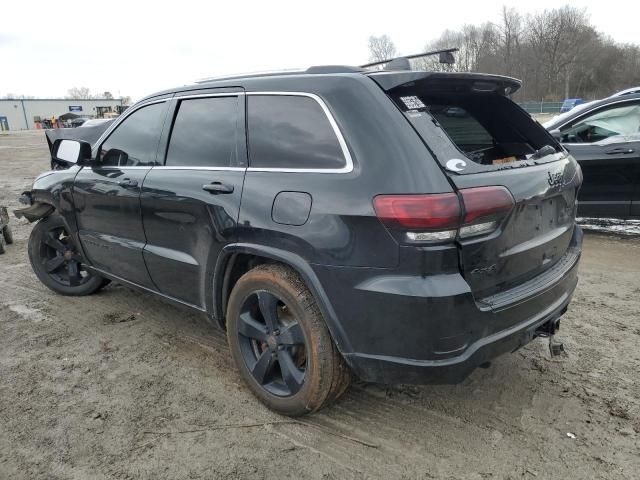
x,y
72,151
556,134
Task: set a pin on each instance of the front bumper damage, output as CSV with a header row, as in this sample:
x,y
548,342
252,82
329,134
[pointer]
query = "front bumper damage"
x,y
34,211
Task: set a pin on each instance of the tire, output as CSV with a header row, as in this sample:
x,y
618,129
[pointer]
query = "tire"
x,y
2,249
55,261
7,234
286,357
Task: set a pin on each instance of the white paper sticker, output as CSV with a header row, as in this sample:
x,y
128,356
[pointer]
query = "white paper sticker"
x,y
412,103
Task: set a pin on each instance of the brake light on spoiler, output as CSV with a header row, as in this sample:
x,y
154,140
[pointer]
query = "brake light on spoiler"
x,y
443,217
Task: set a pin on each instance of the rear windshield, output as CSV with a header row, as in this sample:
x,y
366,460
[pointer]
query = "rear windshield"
x,y
488,129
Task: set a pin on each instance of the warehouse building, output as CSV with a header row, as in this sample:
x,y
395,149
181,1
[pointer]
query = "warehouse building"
x,y
29,113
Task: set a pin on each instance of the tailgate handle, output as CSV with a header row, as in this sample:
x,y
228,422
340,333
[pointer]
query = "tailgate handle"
x,y
619,150
218,187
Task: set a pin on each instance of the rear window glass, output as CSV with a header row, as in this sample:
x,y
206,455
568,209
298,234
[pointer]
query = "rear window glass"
x,y
488,129
461,126
287,131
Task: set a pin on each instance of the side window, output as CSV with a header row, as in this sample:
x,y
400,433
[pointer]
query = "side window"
x,y
291,132
205,133
134,142
603,124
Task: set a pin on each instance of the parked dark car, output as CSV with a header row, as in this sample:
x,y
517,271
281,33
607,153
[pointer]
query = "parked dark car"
x,y
332,221
570,103
604,138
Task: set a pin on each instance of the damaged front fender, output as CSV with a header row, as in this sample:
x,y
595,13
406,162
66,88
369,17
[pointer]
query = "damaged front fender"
x,y
50,191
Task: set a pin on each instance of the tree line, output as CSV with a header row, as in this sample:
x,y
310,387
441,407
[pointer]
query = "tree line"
x,y
557,53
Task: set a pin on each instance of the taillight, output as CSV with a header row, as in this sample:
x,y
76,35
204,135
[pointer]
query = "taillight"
x,y
484,209
438,217
428,217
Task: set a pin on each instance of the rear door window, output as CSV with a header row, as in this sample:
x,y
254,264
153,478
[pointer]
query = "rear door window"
x,y
291,132
205,133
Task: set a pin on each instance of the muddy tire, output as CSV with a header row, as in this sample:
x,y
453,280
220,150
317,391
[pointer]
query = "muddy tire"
x,y
56,262
280,342
7,234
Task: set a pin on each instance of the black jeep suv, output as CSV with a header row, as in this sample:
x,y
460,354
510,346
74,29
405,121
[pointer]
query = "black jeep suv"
x,y
405,226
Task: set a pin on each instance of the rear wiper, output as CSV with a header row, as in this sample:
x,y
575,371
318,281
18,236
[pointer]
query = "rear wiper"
x,y
543,152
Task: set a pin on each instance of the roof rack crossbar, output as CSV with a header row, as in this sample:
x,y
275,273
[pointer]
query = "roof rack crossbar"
x,y
409,57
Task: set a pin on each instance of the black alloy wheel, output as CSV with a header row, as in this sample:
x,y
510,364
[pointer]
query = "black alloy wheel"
x,y
61,259
280,342
56,259
272,344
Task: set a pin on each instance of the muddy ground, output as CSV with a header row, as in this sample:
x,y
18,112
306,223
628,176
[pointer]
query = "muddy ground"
x,y
122,385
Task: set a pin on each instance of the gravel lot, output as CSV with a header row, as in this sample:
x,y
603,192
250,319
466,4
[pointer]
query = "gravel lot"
x,y
122,385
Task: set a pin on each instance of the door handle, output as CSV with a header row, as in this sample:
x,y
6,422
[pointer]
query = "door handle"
x,y
127,182
619,150
216,188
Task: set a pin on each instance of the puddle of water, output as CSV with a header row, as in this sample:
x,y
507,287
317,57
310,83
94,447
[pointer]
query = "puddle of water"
x,y
25,312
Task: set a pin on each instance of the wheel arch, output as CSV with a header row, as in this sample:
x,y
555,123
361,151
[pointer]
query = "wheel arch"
x,y
234,253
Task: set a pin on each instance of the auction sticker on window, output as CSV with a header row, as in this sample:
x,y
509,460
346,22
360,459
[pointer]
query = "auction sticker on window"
x,y
413,102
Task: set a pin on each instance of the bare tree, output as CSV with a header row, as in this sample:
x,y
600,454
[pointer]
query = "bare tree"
x,y
107,94
126,100
559,37
381,48
79,93
557,53
510,38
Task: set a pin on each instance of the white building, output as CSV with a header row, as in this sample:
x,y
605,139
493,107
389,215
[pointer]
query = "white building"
x,y
22,114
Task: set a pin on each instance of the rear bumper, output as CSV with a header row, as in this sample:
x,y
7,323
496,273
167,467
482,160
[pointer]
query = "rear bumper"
x,y
385,369
406,329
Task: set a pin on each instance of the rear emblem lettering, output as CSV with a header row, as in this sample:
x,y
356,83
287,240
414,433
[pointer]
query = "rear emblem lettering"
x,y
555,179
490,270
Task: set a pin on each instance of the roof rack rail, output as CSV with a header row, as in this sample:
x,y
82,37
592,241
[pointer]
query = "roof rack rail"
x,y
333,69
402,63
264,73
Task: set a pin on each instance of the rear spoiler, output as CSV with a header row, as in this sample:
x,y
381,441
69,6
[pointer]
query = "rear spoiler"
x,y
443,81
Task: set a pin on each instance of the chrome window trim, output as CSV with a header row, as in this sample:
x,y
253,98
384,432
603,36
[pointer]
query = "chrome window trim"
x,y
348,167
204,95
115,167
222,169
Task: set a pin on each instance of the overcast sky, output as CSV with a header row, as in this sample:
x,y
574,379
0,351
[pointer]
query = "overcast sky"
x,y
130,49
